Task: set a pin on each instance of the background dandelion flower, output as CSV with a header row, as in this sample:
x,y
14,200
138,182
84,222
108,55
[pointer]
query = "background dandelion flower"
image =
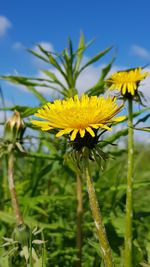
x,y
126,81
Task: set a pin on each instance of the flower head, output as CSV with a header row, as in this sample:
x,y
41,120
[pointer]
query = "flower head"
x,y
79,117
126,81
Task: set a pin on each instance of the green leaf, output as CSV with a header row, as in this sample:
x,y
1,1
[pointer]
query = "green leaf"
x,y
70,48
144,264
135,186
27,83
54,63
106,69
50,74
145,118
28,112
96,247
79,52
135,114
96,89
99,87
63,89
114,137
38,55
23,110
145,129
38,95
95,58
40,156
7,217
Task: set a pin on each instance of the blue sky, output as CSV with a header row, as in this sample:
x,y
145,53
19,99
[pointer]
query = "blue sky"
x,y
25,23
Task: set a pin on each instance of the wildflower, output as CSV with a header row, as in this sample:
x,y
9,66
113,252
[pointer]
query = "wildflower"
x,y
79,117
126,81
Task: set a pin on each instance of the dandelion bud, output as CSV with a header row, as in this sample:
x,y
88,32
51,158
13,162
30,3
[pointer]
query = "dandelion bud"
x,y
21,234
14,127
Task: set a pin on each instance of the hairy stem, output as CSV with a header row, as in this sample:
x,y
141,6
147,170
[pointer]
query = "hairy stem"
x,y
79,222
12,190
5,179
101,233
129,212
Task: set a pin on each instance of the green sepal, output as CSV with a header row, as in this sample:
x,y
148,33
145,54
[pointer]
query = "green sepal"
x,y
21,234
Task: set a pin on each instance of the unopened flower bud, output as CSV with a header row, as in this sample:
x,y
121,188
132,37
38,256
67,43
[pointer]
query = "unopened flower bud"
x,y
21,234
14,127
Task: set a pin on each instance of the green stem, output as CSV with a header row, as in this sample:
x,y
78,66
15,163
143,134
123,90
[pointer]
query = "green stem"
x,y
129,212
5,180
104,244
15,204
79,222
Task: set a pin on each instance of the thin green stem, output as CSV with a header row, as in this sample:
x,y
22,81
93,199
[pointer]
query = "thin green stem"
x,y
79,222
129,211
14,201
5,180
101,233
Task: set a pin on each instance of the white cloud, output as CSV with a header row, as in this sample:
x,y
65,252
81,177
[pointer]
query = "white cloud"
x,y
88,78
140,52
18,46
5,24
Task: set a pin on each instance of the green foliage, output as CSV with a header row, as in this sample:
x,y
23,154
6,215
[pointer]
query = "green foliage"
x,y
69,65
46,182
47,194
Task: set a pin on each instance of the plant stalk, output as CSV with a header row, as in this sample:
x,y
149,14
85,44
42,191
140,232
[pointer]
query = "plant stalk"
x,y
101,233
15,204
79,222
129,193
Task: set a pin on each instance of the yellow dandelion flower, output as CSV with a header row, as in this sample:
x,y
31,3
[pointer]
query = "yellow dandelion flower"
x,y
126,81
78,116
